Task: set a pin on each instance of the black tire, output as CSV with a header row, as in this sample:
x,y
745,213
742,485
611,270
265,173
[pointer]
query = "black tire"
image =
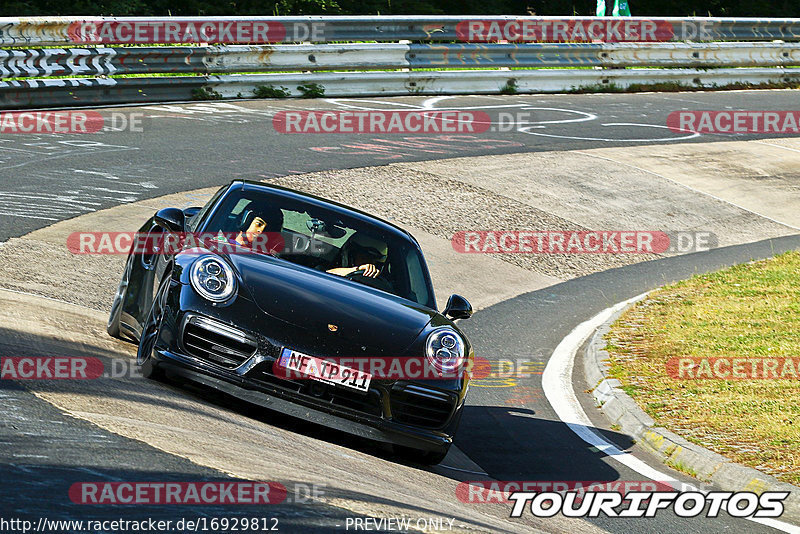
x,y
434,457
112,327
113,319
150,331
419,456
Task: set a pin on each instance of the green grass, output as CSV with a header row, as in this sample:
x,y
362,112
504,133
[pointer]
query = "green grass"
x,y
683,468
747,311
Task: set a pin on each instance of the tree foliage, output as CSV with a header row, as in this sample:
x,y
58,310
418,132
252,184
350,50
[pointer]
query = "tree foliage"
x,y
648,8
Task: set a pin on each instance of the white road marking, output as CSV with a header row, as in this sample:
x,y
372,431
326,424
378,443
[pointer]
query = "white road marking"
x,y
97,173
654,140
100,475
21,468
107,190
88,194
348,104
519,414
115,148
777,146
56,197
425,106
37,208
557,386
586,116
24,216
432,104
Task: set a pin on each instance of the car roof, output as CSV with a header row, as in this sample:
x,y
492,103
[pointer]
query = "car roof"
x,y
248,185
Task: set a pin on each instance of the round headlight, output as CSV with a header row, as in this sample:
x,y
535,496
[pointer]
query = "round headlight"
x,y
213,279
445,349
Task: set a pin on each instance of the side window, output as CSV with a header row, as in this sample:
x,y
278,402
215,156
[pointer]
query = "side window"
x,y
295,222
192,223
234,219
238,209
416,279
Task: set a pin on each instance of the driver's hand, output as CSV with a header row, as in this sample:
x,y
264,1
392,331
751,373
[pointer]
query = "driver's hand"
x,y
369,270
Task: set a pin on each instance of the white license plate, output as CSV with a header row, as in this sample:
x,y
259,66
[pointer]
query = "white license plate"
x,y
324,370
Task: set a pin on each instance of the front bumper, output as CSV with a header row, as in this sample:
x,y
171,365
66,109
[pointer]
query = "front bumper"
x,y
308,400
274,399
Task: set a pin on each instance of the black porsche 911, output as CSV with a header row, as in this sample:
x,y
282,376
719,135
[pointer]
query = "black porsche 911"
x,y
262,323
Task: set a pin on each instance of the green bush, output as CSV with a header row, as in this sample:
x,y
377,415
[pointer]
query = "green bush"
x,y
510,88
645,8
268,91
311,90
205,93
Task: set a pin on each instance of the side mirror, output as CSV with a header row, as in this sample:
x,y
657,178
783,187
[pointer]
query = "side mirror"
x,y
458,308
191,212
171,219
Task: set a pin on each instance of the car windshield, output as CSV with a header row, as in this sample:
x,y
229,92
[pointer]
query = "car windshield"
x,y
326,239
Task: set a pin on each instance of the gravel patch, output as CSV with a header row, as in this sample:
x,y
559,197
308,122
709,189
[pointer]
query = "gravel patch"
x,y
442,207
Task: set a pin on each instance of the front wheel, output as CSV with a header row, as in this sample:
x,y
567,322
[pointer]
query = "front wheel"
x,y
116,308
150,332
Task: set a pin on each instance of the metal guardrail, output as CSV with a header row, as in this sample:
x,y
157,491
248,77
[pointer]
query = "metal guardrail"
x,y
107,91
70,31
28,75
237,58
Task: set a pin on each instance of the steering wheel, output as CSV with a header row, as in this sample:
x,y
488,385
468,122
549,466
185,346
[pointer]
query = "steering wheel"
x,y
377,283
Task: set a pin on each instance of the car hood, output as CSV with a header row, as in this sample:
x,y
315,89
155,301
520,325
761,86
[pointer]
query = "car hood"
x,y
315,303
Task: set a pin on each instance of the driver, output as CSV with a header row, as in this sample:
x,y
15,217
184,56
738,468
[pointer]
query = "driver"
x,y
255,226
362,253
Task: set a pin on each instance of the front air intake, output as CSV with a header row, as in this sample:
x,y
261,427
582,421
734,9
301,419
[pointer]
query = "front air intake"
x,y
217,342
421,406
